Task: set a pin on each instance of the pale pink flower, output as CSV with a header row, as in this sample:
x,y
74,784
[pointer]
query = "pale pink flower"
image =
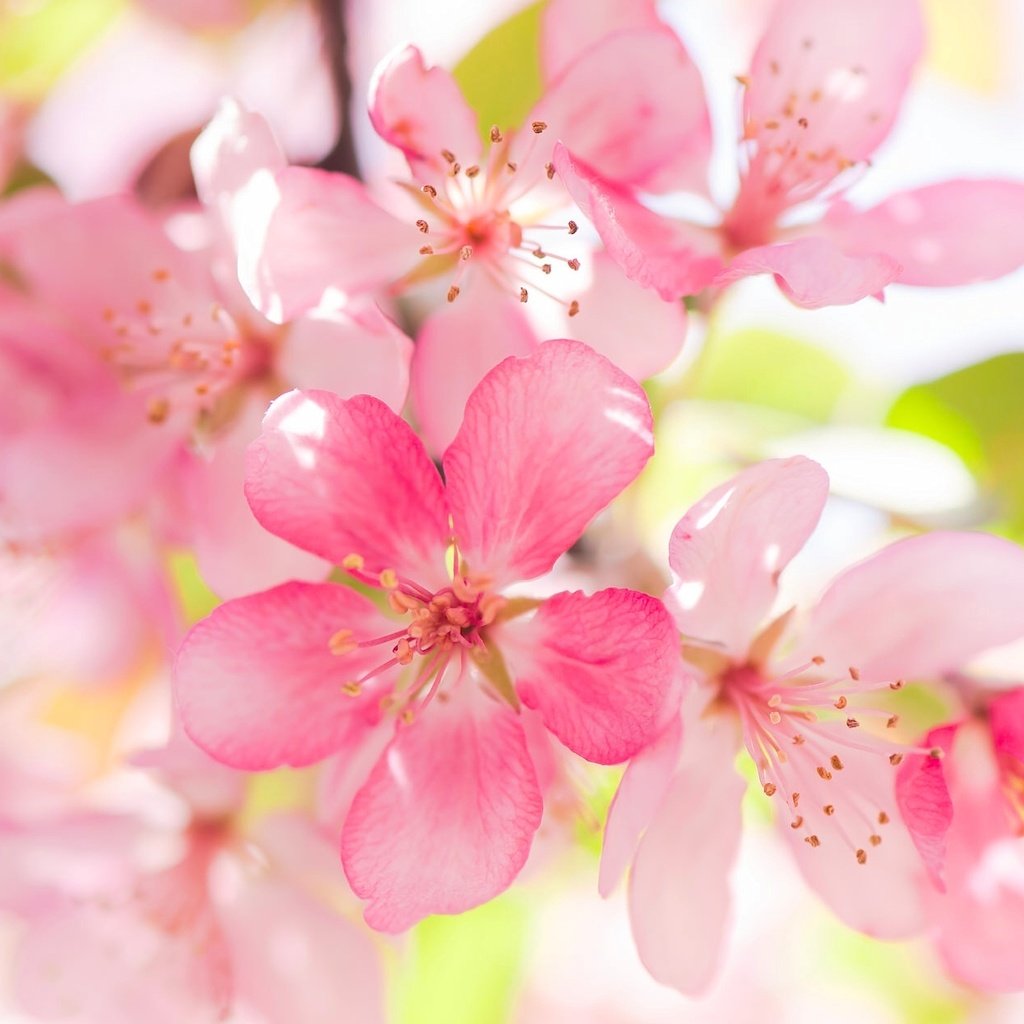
x,y
139,329
181,916
486,221
795,696
429,707
824,88
966,814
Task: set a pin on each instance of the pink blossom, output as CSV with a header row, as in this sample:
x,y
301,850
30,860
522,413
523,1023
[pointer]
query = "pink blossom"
x,y
964,813
432,710
140,329
485,222
795,693
824,88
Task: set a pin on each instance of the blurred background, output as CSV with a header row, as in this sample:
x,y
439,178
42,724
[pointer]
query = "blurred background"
x,y
914,407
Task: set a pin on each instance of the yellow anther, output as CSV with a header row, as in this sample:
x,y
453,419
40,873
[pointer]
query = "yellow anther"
x,y
352,689
353,563
342,642
389,579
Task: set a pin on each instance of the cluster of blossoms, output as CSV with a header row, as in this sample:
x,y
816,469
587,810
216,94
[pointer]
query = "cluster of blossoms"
x,y
384,416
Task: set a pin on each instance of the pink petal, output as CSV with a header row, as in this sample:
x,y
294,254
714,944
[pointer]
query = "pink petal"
x,y
923,799
1006,720
813,272
672,257
603,670
679,892
532,465
256,684
920,607
455,348
632,107
568,27
446,819
639,332
727,552
636,802
236,554
324,232
347,476
882,896
842,68
955,232
297,959
351,350
422,111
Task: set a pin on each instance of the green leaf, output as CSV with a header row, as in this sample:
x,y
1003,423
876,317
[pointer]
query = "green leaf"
x,y
977,413
768,369
463,969
39,40
500,77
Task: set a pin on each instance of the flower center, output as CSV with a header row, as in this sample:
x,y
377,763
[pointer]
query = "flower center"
x,y
470,221
443,627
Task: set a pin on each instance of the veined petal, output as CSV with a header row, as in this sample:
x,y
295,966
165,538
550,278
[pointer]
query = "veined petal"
x,y
670,256
343,477
814,272
679,891
256,683
920,607
446,819
602,670
422,111
455,348
728,551
1006,720
532,464
955,232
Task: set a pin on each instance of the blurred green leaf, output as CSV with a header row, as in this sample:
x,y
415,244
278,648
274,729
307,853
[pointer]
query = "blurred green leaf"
x,y
464,969
764,368
500,77
39,40
197,600
977,413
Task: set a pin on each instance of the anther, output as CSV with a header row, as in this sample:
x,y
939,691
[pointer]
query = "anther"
x,y
453,292
161,275
573,227
796,799
829,809
495,133
352,689
836,762
774,717
538,127
796,822
769,789
512,166
891,721
895,759
574,264
408,717
546,267
354,563
875,840
798,740
824,773
465,252
898,685
812,841
840,704
426,250
817,660
423,226
389,579
883,818
456,167
430,191
854,674
342,642
803,122
743,80
775,700
448,155
524,295
574,308
158,410
144,307
862,857
852,723
549,170
472,171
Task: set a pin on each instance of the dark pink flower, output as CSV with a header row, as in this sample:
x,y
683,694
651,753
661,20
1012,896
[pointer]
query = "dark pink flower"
x,y
824,88
428,699
794,692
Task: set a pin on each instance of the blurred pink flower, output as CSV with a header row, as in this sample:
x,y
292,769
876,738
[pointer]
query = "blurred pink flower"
x,y
823,91
966,814
920,606
448,797
138,328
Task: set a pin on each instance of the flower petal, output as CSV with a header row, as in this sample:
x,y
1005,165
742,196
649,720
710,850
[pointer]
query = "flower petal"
x,y
603,670
323,231
1006,720
347,476
636,802
923,799
422,111
455,348
670,256
727,552
532,465
446,819
256,684
679,892
920,607
632,107
831,78
814,272
955,232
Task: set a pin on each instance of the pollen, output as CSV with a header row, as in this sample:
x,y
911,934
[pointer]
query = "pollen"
x,y
353,562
